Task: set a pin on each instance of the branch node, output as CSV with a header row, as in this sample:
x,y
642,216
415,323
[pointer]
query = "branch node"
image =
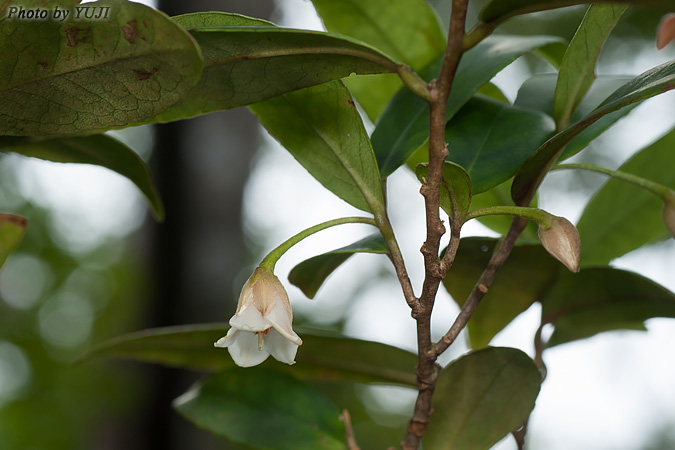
x,y
445,152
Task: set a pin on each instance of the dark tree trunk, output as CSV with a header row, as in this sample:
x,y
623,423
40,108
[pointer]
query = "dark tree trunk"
x,y
200,166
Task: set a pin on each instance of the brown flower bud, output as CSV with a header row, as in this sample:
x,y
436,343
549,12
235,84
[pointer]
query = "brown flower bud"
x,y
561,240
666,31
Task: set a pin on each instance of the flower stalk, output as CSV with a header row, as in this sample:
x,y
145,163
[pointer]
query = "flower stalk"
x,y
262,324
270,261
558,235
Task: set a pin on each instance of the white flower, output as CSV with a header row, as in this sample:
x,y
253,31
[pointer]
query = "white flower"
x,y
262,324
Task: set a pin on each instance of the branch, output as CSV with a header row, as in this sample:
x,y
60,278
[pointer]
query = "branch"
x,y
520,434
439,91
399,264
483,284
349,432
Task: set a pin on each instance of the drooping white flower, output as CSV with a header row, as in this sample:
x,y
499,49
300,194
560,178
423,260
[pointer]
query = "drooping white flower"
x,y
262,324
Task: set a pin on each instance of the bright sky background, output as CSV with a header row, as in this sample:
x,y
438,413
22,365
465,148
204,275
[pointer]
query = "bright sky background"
x,y
603,393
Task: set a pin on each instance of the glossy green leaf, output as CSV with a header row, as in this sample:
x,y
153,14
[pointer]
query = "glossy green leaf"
x,y
100,150
455,188
211,19
408,30
59,77
577,71
264,409
320,357
525,277
247,64
11,231
480,398
622,217
322,129
500,195
374,92
492,91
491,139
553,53
404,126
538,93
602,299
650,83
499,10
310,274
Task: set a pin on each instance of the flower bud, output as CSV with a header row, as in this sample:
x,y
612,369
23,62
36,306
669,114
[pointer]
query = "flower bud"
x,y
262,324
668,211
666,31
561,240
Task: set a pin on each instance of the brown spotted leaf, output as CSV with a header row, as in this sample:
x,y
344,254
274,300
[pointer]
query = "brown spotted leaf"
x,y
88,73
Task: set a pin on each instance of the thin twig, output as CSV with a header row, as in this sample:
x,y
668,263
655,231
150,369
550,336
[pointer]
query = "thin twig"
x,y
483,284
349,432
539,352
399,264
439,89
520,434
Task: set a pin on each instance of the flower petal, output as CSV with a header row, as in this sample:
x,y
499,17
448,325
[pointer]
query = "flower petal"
x,y
281,348
249,318
226,340
243,347
280,319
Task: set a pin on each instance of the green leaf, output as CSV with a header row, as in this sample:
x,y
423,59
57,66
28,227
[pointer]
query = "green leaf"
x,y
322,129
320,357
577,71
500,195
553,53
524,278
408,30
456,185
310,274
538,93
499,10
100,150
578,305
11,231
492,91
208,19
491,139
622,217
404,126
652,82
481,397
248,64
265,409
59,77
602,299
374,92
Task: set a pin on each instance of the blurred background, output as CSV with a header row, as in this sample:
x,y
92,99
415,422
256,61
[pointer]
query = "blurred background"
x,y
93,265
